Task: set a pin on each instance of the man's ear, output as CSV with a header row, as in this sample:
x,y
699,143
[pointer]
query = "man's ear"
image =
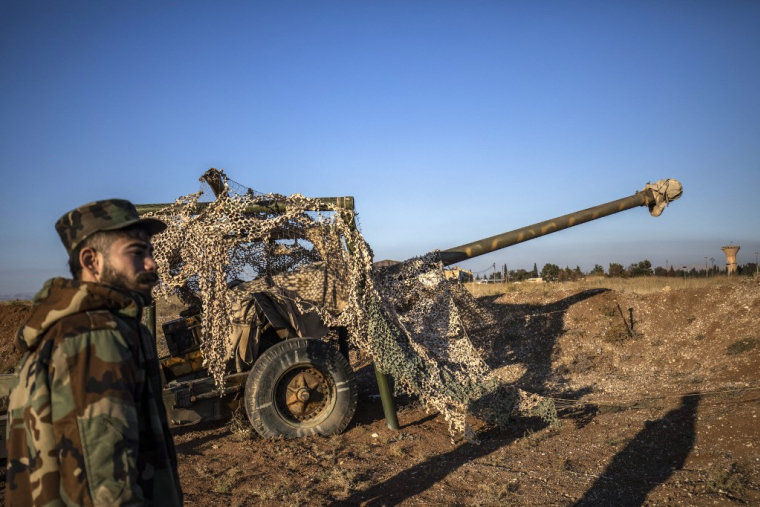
x,y
90,262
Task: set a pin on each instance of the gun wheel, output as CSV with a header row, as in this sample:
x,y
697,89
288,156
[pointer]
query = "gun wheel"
x,y
300,387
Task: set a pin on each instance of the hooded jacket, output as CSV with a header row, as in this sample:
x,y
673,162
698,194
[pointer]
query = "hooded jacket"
x,y
86,421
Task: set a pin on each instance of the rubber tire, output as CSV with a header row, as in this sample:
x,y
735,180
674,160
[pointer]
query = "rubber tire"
x,y
270,368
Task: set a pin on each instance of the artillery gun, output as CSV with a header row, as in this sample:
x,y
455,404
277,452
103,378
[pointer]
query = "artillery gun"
x,y
292,381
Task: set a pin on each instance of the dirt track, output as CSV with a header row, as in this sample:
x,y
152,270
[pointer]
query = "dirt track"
x,y
666,417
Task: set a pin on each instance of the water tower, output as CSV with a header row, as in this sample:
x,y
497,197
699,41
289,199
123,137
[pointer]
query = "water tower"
x,y
730,252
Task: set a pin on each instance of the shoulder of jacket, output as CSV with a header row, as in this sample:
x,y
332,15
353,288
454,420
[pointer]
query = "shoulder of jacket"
x,y
89,322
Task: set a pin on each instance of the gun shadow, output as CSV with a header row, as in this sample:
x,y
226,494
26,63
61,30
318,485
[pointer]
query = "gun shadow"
x,y
527,334
418,478
648,460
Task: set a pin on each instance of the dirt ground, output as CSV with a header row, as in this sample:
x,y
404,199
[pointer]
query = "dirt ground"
x,y
667,415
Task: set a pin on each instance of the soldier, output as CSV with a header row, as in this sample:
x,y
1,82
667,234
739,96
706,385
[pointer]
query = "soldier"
x,y
86,421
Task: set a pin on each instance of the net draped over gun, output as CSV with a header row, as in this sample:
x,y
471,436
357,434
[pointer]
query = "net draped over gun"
x,y
411,320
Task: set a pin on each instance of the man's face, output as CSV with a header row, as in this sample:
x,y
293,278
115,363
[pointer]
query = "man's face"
x,y
129,264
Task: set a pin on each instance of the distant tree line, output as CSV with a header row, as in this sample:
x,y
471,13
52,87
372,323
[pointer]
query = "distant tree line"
x,y
553,273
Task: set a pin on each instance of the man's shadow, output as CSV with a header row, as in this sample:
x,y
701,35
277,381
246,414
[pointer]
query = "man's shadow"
x,y
648,460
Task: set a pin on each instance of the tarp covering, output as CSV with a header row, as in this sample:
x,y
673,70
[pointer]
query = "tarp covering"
x,y
664,191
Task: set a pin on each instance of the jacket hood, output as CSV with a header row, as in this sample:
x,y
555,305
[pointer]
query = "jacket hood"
x,y
61,297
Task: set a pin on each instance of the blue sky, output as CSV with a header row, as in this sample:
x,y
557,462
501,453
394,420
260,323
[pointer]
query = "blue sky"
x,y
448,121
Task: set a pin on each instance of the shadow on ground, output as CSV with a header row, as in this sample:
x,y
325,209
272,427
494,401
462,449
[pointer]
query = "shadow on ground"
x,y
648,460
203,433
527,334
418,478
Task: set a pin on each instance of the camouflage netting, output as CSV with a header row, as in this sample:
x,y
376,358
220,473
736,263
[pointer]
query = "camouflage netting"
x,y
408,318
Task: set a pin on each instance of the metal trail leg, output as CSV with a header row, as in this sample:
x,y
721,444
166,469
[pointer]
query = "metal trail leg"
x,y
383,385
386,396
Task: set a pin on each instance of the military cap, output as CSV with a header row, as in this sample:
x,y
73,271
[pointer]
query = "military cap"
x,y
107,215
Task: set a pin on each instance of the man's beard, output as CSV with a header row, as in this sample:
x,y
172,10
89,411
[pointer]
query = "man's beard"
x,y
142,283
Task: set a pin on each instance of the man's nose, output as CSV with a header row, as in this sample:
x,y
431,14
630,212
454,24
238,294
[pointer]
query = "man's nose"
x,y
150,263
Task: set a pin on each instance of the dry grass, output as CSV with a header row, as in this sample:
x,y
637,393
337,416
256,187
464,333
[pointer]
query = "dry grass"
x,y
225,482
496,493
240,427
726,480
639,285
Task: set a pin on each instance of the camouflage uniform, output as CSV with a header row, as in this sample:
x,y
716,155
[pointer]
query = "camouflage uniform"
x,y
86,421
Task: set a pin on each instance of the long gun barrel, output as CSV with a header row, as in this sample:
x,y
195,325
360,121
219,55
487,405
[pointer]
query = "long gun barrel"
x,y
655,196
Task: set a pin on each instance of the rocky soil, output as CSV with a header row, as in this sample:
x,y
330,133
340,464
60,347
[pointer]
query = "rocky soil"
x,y
663,413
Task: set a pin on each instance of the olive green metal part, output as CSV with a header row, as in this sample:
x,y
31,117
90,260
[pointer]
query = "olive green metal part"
x,y
346,203
386,396
484,246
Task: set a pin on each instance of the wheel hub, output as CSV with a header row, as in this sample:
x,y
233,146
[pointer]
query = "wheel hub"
x,y
303,394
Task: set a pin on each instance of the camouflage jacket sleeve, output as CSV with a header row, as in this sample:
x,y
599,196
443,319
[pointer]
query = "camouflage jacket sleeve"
x,y
76,441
